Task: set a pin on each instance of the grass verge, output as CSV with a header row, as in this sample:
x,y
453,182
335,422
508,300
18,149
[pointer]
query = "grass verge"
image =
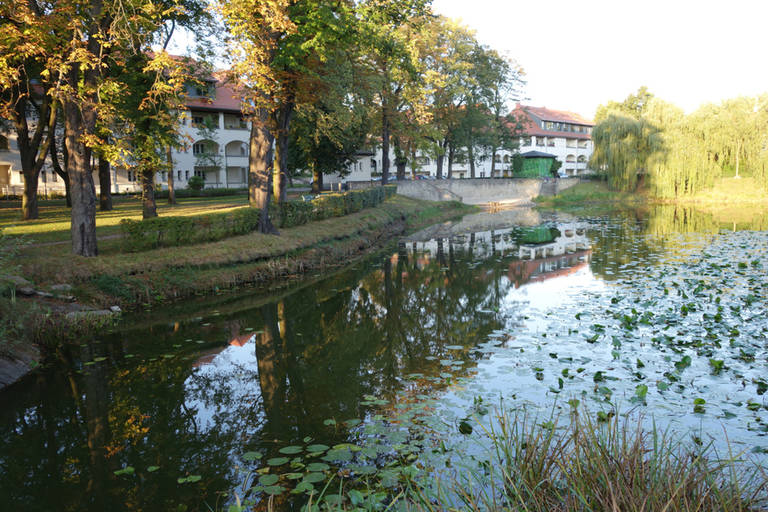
x,y
589,192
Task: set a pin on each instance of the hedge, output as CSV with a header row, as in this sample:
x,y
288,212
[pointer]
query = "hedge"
x,y
140,235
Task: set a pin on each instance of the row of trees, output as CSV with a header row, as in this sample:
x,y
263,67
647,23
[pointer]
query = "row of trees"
x,y
86,82
645,141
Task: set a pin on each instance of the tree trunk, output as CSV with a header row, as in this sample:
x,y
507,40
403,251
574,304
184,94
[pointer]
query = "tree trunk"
x,y
259,170
450,161
61,171
171,190
29,203
493,163
413,163
148,204
384,137
317,180
400,160
105,186
280,172
471,156
32,151
80,120
440,159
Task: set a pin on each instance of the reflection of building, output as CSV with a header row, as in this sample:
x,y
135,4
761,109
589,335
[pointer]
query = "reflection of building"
x,y
540,269
548,252
538,252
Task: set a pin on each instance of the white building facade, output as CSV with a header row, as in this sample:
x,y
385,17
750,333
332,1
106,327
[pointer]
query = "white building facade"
x,y
215,147
565,135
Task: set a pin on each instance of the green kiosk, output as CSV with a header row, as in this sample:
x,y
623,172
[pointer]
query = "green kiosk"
x,y
534,164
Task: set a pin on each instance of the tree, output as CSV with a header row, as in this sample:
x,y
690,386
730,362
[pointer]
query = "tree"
x,y
326,135
391,57
446,48
26,78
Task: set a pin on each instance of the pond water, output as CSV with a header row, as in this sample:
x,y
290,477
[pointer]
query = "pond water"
x,y
662,310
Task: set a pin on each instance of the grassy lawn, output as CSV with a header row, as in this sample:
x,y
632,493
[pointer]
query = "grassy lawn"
x,y
53,224
589,192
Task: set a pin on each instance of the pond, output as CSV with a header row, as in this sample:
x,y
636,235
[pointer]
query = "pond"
x,y
660,310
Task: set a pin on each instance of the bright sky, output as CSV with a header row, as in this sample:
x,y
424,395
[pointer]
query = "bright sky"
x,y
578,54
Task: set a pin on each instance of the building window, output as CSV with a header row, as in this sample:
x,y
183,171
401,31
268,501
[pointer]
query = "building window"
x,y
570,158
539,141
204,147
54,176
234,122
583,144
205,118
582,159
4,143
525,141
373,164
551,142
178,174
482,174
571,143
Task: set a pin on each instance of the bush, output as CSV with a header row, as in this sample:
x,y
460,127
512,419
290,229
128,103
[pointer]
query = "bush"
x,y
196,183
141,235
206,192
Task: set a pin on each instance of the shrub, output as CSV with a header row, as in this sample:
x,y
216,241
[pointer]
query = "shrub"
x,y
196,183
206,192
141,235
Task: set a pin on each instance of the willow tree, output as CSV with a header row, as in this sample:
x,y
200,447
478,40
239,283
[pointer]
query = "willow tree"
x,y
624,149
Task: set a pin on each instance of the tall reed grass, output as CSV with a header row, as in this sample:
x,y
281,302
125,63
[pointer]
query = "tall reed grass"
x,y
567,464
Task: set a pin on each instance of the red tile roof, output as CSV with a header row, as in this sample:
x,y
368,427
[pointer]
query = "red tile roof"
x,y
546,114
523,113
226,98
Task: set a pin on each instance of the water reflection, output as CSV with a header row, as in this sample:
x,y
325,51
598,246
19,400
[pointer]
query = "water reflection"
x,y
189,393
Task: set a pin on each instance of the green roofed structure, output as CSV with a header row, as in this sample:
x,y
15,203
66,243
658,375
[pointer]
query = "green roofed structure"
x,y
534,164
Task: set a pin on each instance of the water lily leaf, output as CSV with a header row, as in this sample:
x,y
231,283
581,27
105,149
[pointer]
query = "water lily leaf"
x,y
314,477
267,480
250,456
290,450
317,448
317,466
278,461
127,470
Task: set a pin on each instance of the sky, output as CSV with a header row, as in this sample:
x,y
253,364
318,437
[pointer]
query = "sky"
x,y
578,54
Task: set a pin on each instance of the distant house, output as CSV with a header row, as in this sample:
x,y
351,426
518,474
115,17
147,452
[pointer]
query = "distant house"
x,y
566,135
561,135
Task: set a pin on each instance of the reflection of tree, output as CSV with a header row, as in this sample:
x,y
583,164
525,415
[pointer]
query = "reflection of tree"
x,y
320,350
269,353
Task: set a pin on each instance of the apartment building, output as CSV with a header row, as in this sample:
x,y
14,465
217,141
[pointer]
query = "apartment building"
x,y
215,147
564,135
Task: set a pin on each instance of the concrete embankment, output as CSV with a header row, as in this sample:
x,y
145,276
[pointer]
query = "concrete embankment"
x,y
480,191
